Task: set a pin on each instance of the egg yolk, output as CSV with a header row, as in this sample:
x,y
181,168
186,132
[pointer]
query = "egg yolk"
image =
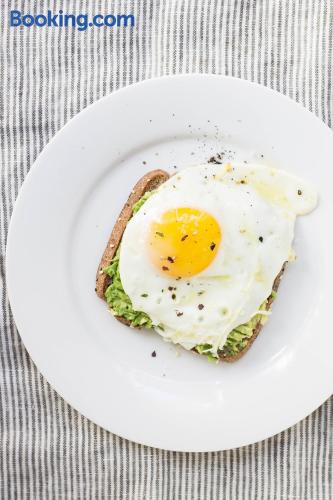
x,y
183,242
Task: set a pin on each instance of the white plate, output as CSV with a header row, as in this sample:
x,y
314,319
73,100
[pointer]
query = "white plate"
x,y
62,220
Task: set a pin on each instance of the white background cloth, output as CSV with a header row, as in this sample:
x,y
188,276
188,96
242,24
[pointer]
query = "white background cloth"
x,y
47,75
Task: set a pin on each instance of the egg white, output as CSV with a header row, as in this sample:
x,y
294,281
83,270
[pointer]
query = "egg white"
x,y
256,208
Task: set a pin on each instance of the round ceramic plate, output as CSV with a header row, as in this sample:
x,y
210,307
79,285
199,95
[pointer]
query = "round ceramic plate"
x,y
62,220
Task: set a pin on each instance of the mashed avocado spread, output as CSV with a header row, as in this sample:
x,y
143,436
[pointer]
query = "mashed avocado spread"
x,y
120,305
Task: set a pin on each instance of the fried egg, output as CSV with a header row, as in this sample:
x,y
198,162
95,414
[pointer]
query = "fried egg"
x,y
201,255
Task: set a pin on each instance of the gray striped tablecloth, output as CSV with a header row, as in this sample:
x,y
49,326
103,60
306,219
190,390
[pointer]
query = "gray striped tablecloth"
x,y
47,75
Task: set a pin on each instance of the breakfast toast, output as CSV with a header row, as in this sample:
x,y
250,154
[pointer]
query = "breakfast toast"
x,y
149,182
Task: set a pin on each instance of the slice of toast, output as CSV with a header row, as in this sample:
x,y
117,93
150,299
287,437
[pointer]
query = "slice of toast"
x,y
149,182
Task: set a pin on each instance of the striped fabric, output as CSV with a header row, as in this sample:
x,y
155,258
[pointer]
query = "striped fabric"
x,y
47,75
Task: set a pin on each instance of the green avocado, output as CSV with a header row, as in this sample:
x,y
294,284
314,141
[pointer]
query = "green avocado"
x,y
118,301
120,305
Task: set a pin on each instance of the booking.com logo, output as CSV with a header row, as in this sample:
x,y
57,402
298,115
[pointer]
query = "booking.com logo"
x,y
61,20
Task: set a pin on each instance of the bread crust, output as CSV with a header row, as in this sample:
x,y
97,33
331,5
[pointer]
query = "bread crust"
x,y
148,182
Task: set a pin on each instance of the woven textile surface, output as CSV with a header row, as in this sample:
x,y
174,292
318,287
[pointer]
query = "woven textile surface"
x,y
48,75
